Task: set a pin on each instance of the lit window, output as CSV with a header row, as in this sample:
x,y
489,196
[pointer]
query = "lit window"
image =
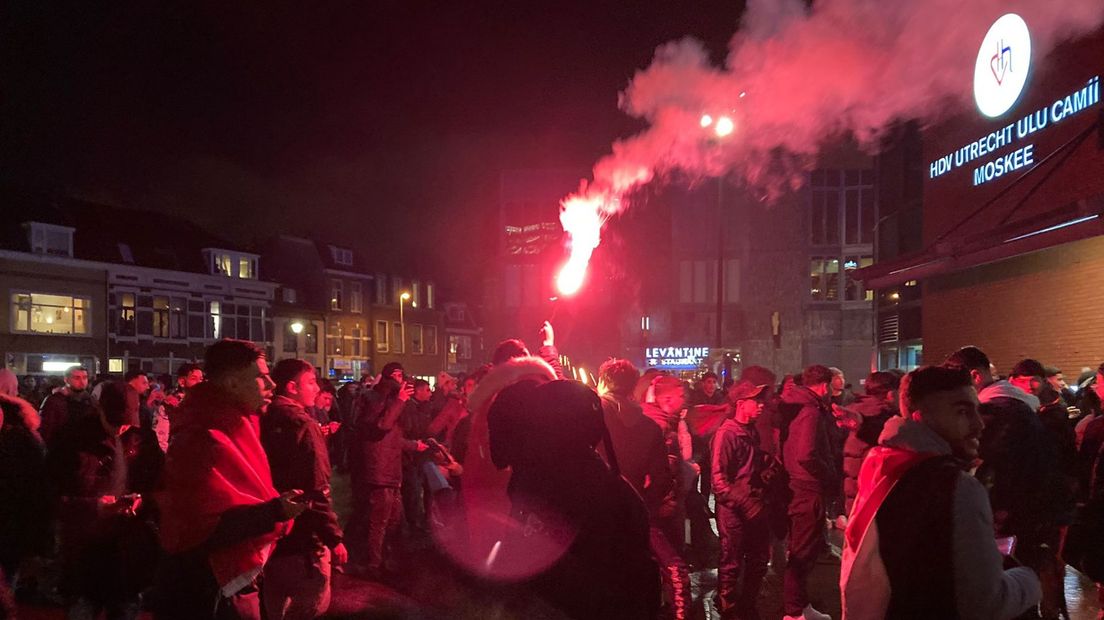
x,y
39,313
430,301
126,315
825,273
246,268
416,293
214,326
336,294
51,239
115,365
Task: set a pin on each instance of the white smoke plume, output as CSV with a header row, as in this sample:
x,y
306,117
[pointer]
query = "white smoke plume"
x,y
796,76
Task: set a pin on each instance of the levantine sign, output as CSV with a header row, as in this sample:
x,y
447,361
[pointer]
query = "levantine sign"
x,y
676,358
1003,61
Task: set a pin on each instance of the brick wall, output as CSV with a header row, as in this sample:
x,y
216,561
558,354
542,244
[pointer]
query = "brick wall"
x,y
1047,305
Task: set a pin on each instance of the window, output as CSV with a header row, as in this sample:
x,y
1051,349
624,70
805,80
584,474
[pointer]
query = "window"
x,y
115,365
416,339
336,294
853,289
354,297
381,289
39,313
288,295
396,289
160,317
178,318
397,337
431,339
291,339
221,265
214,324
310,335
247,268
416,294
430,301
459,348
842,207
355,344
697,281
825,274
341,256
51,239
333,339
126,315
381,336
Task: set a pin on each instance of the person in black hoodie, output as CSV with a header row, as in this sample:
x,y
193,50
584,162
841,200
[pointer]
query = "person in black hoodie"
x,y
564,498
297,576
865,418
810,461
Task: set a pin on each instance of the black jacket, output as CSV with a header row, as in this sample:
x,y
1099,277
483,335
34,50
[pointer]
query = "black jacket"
x,y
298,457
641,451
375,454
61,410
742,472
808,451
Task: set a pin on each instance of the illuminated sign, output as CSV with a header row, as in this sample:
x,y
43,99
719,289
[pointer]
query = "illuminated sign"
x,y
1000,70
676,358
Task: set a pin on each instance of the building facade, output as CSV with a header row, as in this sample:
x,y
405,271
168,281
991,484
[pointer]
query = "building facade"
x,y
1010,241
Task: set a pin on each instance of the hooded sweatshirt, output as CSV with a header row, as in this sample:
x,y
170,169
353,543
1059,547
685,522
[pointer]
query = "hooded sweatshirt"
x,y
808,452
910,486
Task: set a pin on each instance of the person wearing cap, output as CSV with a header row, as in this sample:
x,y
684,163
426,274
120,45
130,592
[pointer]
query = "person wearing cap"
x,y
742,476
104,467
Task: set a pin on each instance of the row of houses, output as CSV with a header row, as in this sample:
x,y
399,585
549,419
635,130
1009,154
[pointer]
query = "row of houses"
x,y
115,289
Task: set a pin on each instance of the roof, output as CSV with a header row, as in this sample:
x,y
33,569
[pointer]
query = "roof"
x,y
158,240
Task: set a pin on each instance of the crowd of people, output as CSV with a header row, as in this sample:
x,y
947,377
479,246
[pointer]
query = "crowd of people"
x,y
960,494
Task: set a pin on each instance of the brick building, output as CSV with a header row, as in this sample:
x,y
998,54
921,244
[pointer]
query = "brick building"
x,y
1009,247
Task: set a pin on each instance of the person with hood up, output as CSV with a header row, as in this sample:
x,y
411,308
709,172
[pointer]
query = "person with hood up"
x,y
809,456
483,499
104,469
220,513
1019,461
920,543
297,576
864,419
25,513
577,522
375,467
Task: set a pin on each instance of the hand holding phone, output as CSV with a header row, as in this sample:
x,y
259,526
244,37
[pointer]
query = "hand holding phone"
x,y
291,504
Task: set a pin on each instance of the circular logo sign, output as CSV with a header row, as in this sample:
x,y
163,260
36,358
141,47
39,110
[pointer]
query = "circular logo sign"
x,y
1002,64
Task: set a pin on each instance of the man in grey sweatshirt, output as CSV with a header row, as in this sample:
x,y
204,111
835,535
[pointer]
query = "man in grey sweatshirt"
x,y
920,542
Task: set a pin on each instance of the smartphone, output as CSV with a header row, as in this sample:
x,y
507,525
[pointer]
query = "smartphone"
x,y
1007,546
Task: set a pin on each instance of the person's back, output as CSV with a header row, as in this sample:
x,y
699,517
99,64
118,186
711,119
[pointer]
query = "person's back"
x,y
920,540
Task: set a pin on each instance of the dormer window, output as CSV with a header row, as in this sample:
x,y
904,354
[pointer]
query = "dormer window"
x,y
50,239
341,256
232,264
126,254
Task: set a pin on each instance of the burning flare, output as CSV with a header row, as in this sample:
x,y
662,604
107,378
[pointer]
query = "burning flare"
x,y
582,216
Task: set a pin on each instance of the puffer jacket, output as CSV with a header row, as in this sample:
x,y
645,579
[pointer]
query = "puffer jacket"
x,y
808,452
875,413
1019,464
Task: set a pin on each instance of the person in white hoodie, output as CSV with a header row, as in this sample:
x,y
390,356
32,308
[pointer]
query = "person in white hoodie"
x,y
920,541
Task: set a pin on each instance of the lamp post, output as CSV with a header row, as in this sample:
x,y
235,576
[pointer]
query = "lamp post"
x,y
402,322
722,128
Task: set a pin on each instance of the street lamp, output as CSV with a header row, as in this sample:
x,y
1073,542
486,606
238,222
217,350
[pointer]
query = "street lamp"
x,y
723,126
297,328
402,322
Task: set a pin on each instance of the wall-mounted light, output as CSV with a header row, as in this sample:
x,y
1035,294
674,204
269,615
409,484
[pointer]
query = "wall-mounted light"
x,y
297,328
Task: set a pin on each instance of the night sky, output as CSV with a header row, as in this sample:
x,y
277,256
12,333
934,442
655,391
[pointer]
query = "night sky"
x,y
379,124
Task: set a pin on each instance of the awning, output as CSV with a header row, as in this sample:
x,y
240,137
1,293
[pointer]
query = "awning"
x,y
1073,222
